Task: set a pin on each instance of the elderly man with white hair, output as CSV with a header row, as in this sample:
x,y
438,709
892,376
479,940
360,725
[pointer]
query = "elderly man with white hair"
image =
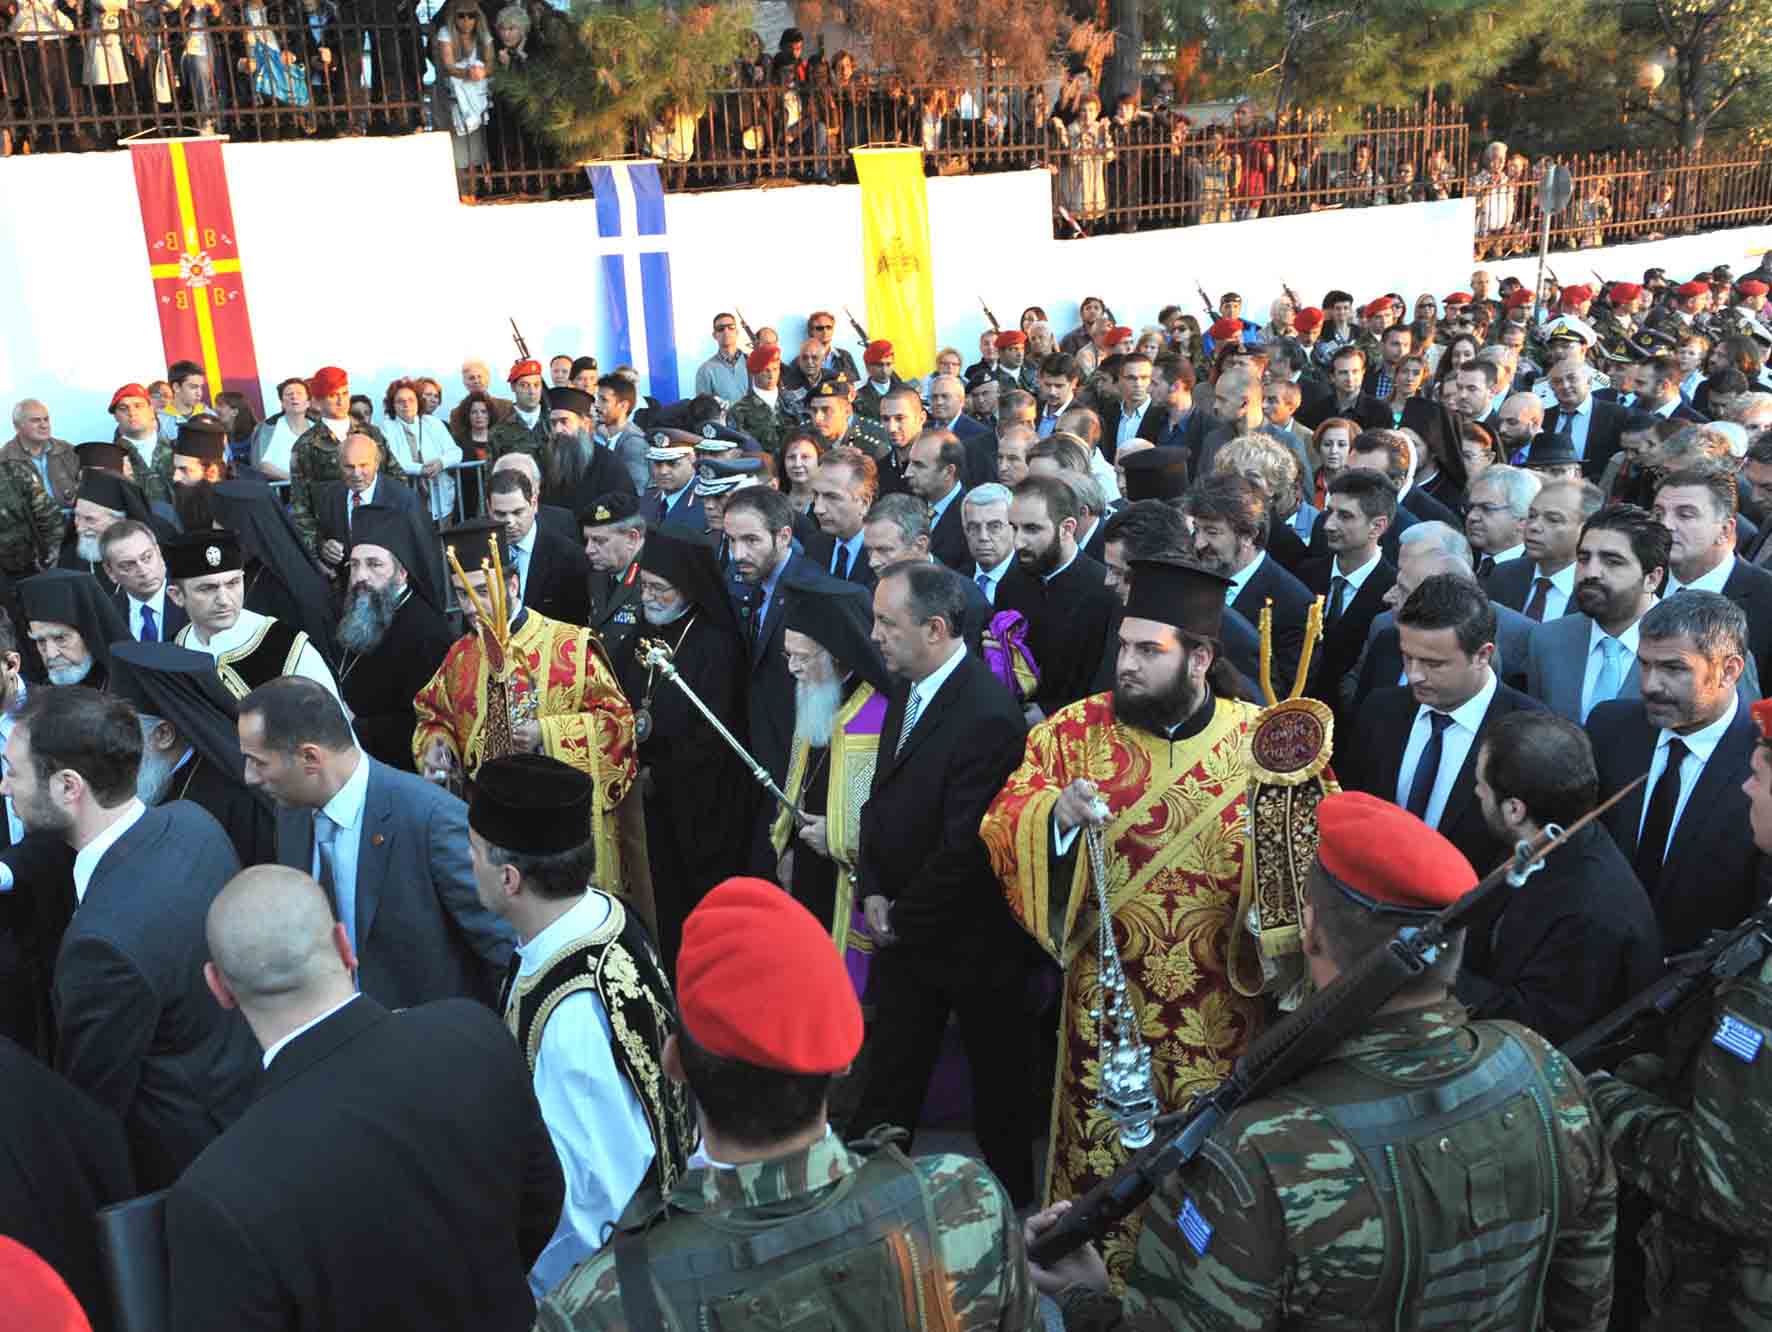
x,y
476,377
33,442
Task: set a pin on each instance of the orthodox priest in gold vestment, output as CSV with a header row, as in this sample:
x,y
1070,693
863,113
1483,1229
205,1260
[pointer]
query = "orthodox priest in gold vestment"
x,y
539,686
1164,752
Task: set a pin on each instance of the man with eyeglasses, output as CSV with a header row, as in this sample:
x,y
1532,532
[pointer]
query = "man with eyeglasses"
x,y
723,374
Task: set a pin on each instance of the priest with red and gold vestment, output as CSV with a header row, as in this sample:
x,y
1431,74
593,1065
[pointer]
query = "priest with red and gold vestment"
x,y
1164,752
541,686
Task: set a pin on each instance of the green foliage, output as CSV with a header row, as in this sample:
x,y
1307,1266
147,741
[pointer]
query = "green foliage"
x,y
607,67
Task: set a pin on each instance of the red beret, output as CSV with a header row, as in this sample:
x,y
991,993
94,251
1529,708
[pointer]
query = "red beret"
x,y
1386,854
876,352
1751,287
1226,329
1459,298
1380,305
1577,294
127,391
522,368
39,1299
1686,289
1308,318
1011,337
1624,291
1119,333
327,380
759,979
1518,298
763,355
1761,712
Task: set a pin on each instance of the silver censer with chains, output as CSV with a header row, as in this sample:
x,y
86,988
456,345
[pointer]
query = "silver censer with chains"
x,y
1127,1095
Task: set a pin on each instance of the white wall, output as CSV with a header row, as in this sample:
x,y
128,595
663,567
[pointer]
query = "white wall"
x,y
356,252
1681,256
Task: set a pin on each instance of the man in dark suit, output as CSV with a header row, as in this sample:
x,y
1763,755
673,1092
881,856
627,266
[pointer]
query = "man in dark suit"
x,y
553,574
947,411
671,499
1594,427
946,941
1348,372
1065,599
1387,452
937,461
135,1031
1135,414
1580,937
1353,579
133,559
1417,745
1230,535
286,1221
1686,830
843,490
390,848
1697,504
339,501
62,1157
1541,583
1658,389
897,529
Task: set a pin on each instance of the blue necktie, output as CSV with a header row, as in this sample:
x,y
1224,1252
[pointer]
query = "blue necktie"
x,y
984,586
343,895
840,562
1427,769
1611,676
150,631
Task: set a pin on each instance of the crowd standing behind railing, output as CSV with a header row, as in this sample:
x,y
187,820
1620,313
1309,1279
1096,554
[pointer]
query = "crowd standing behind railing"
x,y
87,74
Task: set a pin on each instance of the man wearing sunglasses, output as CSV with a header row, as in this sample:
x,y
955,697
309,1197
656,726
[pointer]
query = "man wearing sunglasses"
x,y
822,328
724,374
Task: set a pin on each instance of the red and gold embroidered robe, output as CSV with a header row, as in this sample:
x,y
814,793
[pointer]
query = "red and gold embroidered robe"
x,y
1175,848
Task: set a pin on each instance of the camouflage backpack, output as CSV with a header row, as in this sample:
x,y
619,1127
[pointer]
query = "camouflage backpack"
x,y
861,1256
1466,1169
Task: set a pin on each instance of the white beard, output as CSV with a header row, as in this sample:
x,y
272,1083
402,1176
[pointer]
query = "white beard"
x,y
69,675
657,615
89,546
815,711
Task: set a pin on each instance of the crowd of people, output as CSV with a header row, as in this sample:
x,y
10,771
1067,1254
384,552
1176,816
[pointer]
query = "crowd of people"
x,y
672,776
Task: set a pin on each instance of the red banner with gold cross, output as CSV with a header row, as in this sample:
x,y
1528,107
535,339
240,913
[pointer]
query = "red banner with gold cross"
x,y
194,260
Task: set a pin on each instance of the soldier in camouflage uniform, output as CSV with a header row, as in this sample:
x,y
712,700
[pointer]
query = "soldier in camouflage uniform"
x,y
768,1015
512,434
138,427
766,420
1691,1130
1432,1172
314,460
876,356
830,406
30,521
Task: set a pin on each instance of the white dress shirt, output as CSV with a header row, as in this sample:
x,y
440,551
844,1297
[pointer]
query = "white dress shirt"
x,y
1562,588
1705,582
599,1129
1596,661
309,664
346,810
993,577
1356,579
157,604
1240,580
275,1048
924,690
1702,745
527,547
1455,747
1513,552
86,862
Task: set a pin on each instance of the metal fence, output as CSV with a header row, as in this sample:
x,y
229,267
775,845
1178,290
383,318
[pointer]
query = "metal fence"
x,y
1621,197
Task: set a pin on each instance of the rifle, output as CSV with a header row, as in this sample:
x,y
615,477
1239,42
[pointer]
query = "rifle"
x,y
1292,296
749,332
1205,300
995,326
1629,1028
855,324
517,337
1294,1046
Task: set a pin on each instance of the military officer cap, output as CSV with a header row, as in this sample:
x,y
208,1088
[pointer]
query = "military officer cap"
x,y
202,437
570,399
200,554
101,455
668,444
718,476
758,981
532,804
1385,860
1178,593
1571,328
837,386
614,507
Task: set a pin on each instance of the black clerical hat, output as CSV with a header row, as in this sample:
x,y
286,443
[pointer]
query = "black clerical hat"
x,y
689,562
569,399
532,804
64,596
199,554
839,622
102,455
181,687
394,530
1175,592
203,437
106,489
475,541
1159,473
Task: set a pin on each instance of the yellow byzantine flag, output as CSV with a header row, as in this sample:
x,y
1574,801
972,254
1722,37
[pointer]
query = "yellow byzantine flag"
x,y
895,255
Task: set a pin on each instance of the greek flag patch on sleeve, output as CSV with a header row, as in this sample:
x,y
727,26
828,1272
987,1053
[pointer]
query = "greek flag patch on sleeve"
x,y
1195,1229
1739,1039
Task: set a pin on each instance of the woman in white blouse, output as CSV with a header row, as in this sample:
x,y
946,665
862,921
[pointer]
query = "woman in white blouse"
x,y
423,448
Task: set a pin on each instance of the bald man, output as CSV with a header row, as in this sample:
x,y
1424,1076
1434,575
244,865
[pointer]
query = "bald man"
x,y
359,460
395,1170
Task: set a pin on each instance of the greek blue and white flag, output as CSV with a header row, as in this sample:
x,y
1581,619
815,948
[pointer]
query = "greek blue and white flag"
x,y
1739,1038
636,258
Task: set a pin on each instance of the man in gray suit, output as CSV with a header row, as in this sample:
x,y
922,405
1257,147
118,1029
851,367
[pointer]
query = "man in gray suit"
x,y
1424,551
1580,660
390,848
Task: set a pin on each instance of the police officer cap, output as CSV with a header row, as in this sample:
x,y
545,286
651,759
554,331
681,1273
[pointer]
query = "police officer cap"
x,y
668,444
